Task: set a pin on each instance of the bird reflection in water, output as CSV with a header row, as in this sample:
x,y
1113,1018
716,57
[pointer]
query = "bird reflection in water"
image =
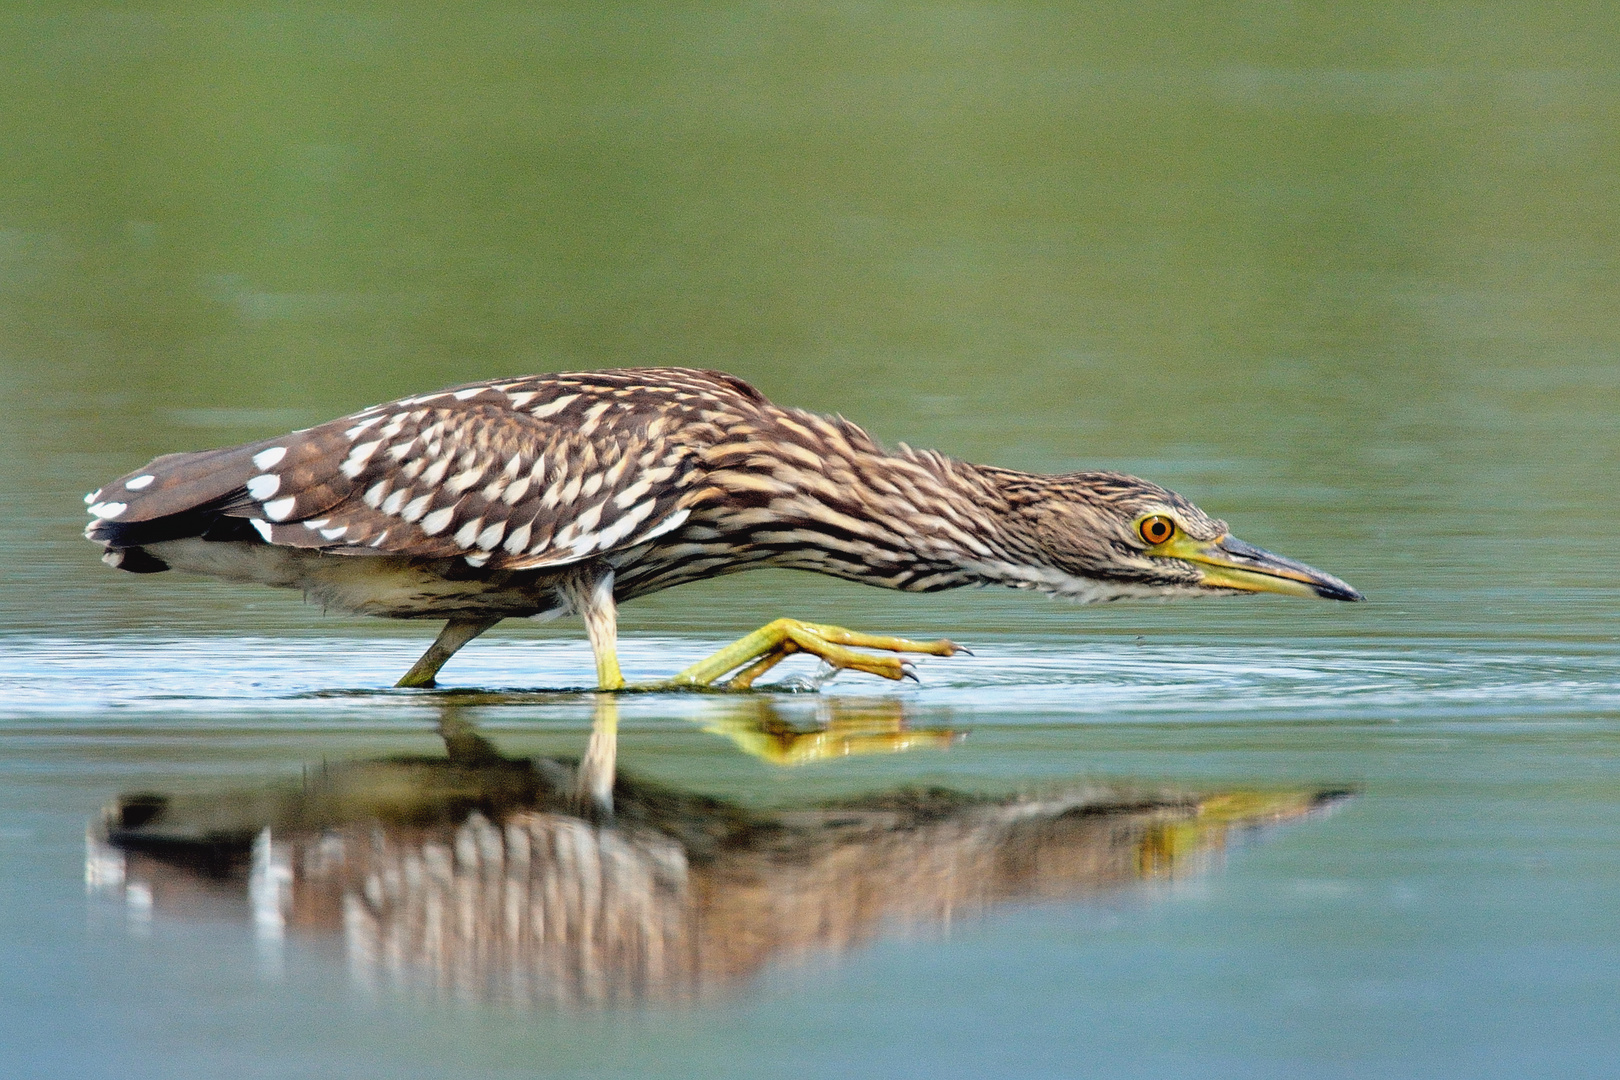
x,y
538,881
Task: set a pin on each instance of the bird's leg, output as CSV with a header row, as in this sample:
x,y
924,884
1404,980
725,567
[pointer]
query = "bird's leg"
x,y
456,633
589,591
770,644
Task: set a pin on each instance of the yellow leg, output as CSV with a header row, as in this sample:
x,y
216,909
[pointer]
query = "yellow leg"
x,y
590,592
770,644
608,675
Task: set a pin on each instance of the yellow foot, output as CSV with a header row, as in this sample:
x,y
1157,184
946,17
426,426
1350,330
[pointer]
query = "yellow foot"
x,y
771,644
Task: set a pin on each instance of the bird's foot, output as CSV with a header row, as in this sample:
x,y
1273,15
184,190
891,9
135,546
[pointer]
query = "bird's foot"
x,y
754,655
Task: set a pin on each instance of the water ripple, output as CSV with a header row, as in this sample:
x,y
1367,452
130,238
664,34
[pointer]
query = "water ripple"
x,y
1374,680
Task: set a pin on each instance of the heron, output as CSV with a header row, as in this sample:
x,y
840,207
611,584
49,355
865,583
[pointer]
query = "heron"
x,y
575,492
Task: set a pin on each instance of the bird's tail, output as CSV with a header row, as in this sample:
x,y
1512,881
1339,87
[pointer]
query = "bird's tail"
x,y
170,498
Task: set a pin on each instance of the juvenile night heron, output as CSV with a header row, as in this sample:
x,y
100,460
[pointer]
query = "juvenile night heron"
x,y
575,492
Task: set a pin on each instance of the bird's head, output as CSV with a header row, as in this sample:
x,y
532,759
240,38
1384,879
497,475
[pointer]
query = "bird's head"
x,y
1135,538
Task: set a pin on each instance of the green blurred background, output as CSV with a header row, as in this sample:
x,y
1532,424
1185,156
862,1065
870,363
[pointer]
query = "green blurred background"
x,y
1347,275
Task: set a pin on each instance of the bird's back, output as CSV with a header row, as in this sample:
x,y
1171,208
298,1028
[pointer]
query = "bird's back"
x,y
516,474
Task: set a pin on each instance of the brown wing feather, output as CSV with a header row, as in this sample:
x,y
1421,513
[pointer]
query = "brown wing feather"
x,y
516,474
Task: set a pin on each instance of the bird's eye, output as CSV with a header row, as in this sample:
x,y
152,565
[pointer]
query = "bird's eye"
x,y
1156,529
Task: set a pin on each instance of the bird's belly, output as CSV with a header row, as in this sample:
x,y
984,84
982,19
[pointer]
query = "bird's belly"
x,y
391,586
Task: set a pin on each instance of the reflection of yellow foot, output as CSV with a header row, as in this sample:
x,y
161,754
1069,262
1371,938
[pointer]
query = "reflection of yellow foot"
x,y
843,729
771,644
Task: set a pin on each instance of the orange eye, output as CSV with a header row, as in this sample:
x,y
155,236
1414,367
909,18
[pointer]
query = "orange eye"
x,y
1156,529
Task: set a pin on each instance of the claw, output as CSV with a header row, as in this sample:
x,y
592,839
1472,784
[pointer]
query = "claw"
x,y
909,671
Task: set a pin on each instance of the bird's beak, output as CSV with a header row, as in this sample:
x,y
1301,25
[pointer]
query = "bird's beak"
x,y
1228,563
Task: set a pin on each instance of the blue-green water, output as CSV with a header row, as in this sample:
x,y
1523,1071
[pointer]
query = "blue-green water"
x,y
1345,277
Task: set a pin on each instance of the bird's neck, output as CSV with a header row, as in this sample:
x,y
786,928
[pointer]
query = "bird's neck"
x,y
997,539
907,519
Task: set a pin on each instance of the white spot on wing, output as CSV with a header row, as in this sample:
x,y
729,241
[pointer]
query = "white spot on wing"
x,y
593,415
374,494
469,392
632,494
351,433
436,471
586,522
435,523
614,533
356,461
639,514
552,408
334,534
392,504
417,507
108,510
465,535
262,487
92,497
520,400
491,536
278,510
669,524
138,482
270,458
464,480
263,528
515,491
516,542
